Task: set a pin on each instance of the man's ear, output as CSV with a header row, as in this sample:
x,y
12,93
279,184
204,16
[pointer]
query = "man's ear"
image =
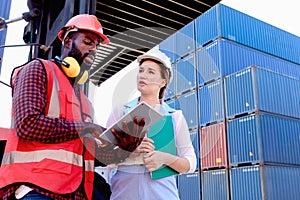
x,y
67,42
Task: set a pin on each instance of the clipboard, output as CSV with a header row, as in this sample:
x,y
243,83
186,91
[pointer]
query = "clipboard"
x,y
142,110
162,133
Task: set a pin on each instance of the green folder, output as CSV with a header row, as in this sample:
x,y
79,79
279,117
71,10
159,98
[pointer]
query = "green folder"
x,y
162,133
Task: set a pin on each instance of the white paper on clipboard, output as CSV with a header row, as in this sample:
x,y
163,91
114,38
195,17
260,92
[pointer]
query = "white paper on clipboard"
x,y
142,110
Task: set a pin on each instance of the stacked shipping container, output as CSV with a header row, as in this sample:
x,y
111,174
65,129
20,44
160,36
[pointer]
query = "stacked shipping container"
x,y
243,76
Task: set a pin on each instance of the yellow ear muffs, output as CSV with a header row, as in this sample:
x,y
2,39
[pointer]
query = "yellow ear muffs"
x,y
70,66
83,78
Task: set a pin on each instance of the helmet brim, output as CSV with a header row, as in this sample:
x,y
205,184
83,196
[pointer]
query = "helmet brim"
x,y
143,57
105,40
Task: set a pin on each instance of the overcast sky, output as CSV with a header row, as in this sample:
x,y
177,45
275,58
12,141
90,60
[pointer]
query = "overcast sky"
x,y
282,14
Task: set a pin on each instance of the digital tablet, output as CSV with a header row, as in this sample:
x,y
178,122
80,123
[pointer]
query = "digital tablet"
x,y
142,110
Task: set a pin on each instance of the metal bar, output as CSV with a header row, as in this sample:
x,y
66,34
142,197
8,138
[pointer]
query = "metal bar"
x,y
5,84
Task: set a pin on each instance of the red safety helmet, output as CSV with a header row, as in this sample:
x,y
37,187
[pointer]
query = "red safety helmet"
x,y
83,22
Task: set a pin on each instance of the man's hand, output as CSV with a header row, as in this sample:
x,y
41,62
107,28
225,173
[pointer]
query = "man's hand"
x,y
129,138
93,131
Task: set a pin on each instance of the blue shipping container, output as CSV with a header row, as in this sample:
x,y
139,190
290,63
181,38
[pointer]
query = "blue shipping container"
x,y
185,74
188,104
265,183
185,40
223,21
215,184
211,103
168,47
170,90
194,135
224,57
189,186
255,88
263,138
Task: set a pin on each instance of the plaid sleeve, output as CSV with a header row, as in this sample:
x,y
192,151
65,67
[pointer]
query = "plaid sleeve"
x,y
29,107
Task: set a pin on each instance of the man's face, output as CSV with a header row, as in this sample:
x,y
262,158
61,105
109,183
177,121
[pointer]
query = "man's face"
x,y
83,48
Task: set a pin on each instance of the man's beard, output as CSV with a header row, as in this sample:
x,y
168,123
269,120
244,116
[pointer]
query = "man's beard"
x,y
75,53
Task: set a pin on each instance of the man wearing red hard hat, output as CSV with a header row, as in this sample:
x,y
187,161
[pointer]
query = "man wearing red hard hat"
x,y
51,151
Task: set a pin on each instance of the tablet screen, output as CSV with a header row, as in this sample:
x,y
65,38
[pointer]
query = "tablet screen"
x,y
142,110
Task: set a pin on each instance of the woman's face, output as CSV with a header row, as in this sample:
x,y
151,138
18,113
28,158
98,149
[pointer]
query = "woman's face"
x,y
149,79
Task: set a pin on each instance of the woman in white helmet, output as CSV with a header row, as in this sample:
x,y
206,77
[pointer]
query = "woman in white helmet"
x,y
132,179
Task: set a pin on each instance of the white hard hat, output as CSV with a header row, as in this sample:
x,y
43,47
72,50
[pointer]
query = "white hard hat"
x,y
156,54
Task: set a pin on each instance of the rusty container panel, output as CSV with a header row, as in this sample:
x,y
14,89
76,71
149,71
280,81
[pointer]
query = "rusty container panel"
x,y
213,146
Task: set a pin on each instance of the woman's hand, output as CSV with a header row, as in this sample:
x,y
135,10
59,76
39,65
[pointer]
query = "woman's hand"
x,y
154,160
146,146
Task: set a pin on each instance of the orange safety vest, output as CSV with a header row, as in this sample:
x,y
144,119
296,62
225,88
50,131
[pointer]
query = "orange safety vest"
x,y
54,167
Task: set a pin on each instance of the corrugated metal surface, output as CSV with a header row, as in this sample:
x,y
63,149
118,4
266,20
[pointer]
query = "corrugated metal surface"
x,y
265,183
186,74
213,143
207,27
240,84
246,183
211,103
263,138
260,89
168,47
189,187
185,40
4,13
224,57
223,21
195,141
170,90
243,141
188,104
215,184
208,63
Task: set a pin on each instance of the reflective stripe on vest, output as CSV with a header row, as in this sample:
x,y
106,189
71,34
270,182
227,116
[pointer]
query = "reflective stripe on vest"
x,y
54,105
89,165
37,156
